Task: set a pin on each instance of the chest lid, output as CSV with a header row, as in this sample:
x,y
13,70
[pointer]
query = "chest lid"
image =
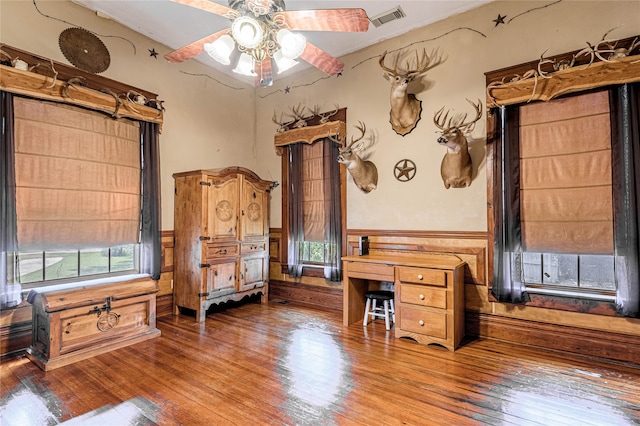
x,y
91,293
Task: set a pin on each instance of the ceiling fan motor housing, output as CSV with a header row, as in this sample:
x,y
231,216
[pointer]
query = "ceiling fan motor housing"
x,y
257,7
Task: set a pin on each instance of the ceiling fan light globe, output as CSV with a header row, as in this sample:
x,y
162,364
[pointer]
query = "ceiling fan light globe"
x,y
291,44
245,65
221,49
283,63
247,32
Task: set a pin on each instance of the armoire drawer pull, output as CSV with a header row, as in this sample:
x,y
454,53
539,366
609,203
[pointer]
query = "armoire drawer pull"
x,y
420,277
421,323
421,297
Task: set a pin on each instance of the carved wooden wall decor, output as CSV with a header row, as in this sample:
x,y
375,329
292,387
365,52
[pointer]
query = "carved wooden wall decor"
x,y
50,80
566,73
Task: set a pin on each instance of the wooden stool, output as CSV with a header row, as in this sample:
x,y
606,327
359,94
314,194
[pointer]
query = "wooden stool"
x,y
373,310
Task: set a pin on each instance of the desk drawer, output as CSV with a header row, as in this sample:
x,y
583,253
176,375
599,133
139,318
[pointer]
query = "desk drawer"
x,y
371,271
423,295
422,276
424,322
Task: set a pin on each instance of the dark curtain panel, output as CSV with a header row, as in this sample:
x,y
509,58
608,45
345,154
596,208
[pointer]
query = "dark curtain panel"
x,y
9,293
8,240
150,221
625,114
333,212
507,270
296,217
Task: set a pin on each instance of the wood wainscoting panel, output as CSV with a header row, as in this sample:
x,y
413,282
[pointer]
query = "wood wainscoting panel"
x,y
595,343
164,305
281,291
15,330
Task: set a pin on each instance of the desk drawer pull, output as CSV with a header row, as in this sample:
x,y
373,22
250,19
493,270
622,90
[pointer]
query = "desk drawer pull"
x,y
421,323
420,277
421,297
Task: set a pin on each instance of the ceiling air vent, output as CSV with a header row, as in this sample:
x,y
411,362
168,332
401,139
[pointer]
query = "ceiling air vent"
x,y
388,16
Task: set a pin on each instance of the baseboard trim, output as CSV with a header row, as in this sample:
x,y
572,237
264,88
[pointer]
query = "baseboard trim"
x,y
593,343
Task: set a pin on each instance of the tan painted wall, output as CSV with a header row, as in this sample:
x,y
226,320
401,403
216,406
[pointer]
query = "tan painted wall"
x,y
472,44
206,124
209,124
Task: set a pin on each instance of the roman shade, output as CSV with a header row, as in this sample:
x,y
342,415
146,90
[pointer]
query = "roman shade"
x,y
565,175
313,192
77,177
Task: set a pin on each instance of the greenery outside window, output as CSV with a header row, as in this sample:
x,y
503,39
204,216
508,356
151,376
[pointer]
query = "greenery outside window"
x,y
36,268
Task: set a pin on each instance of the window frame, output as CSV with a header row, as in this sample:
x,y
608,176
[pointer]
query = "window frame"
x,y
311,269
519,92
29,285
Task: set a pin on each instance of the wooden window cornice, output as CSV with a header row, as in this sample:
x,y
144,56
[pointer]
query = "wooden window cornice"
x,y
90,91
523,83
313,131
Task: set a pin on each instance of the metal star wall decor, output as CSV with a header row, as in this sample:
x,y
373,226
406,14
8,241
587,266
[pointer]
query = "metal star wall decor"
x,y
404,170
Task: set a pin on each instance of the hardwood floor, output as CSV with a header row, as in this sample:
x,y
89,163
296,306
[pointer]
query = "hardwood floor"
x,y
289,364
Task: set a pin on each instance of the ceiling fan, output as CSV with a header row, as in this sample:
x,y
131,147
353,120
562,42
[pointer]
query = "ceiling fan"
x,y
261,33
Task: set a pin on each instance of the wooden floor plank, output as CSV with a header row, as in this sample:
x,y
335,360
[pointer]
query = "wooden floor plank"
x,y
290,364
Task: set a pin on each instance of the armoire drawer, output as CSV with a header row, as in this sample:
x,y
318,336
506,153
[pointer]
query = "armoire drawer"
x,y
222,250
253,247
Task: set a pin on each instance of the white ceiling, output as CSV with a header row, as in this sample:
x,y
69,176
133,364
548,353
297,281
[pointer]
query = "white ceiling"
x,y
175,25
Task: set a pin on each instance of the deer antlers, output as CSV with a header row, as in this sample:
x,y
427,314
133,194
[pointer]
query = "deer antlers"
x,y
422,64
457,121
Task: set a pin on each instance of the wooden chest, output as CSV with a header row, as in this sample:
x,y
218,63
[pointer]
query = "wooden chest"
x,y
70,325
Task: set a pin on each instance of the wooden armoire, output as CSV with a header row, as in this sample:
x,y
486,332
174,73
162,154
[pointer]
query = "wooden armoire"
x,y
221,229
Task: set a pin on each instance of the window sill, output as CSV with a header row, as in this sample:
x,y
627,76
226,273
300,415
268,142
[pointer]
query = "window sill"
x,y
307,271
572,304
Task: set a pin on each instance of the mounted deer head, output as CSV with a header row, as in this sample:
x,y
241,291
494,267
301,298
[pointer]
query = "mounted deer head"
x,y
456,165
364,172
405,108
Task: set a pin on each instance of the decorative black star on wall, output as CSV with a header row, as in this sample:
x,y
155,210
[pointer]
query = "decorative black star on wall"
x,y
499,20
287,89
152,52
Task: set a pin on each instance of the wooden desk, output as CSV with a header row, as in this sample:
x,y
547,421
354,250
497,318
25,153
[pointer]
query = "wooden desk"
x,y
429,294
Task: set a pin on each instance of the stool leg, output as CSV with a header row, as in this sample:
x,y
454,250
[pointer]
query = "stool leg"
x,y
366,312
386,315
374,302
393,311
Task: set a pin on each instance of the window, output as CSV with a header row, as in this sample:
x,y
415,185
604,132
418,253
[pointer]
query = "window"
x,y
80,194
36,267
565,186
313,196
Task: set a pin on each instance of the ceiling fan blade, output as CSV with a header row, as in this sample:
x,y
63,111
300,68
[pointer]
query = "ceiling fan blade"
x,y
193,49
206,5
347,20
263,69
321,59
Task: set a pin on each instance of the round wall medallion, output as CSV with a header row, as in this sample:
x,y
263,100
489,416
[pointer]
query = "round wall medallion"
x,y
224,211
107,321
253,212
404,170
84,50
